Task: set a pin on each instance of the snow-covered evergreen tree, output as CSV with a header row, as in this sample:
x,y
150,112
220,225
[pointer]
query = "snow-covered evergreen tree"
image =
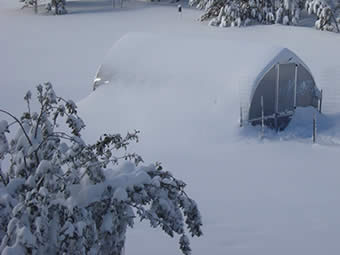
x,y
244,12
326,17
58,7
59,195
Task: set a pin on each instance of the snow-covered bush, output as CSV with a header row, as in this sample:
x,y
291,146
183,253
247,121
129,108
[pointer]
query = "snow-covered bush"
x,y
57,7
244,12
59,195
28,2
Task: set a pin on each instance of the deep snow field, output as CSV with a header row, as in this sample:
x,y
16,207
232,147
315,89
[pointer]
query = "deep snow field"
x,y
278,195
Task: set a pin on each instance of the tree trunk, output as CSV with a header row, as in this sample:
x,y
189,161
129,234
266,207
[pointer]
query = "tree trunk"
x,y
36,6
56,7
334,19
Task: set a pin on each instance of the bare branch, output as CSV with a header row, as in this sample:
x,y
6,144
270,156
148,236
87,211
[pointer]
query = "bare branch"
x,y
19,122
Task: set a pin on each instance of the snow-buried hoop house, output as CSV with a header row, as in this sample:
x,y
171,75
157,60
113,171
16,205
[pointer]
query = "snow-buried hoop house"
x,y
272,81
284,84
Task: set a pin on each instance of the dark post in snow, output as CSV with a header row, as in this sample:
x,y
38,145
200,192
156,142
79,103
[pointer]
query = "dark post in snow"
x,y
56,7
241,117
277,98
314,127
320,101
262,117
180,9
295,85
113,4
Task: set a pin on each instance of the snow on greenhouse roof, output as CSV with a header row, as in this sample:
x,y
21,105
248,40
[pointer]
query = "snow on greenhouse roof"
x,y
149,60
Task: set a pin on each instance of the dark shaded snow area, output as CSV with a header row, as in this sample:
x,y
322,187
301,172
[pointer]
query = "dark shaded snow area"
x,y
277,195
300,129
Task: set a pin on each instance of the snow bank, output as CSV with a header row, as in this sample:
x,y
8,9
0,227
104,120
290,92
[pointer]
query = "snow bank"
x,y
301,126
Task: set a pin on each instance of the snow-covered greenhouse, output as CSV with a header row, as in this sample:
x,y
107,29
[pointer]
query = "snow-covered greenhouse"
x,y
269,81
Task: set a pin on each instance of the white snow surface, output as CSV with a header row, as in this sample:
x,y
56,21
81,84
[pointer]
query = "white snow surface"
x,y
278,195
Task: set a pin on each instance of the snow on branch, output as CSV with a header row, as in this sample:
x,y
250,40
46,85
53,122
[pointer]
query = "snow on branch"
x,y
61,195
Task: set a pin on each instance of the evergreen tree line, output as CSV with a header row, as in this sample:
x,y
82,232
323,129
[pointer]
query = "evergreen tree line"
x,y
225,13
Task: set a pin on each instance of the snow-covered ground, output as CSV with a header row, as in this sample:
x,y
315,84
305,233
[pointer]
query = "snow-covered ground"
x,y
279,195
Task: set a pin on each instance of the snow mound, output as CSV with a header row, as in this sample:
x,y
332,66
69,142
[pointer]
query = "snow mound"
x,y
301,126
147,60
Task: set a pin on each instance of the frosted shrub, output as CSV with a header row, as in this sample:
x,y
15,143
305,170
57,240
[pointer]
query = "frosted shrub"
x,y
60,195
58,7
